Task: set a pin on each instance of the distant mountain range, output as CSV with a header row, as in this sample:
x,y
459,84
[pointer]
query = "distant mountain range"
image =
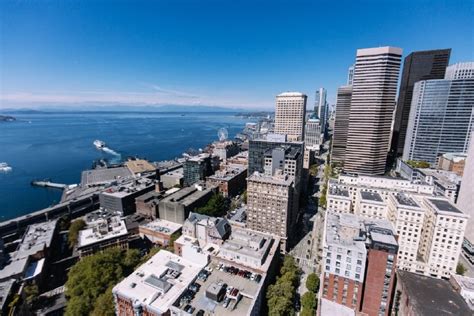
x,y
124,108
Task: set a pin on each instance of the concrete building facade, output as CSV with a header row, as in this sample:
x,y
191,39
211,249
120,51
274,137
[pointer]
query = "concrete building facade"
x,y
374,90
290,114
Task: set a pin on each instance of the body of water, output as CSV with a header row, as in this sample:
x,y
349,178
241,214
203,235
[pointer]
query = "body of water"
x,y
58,146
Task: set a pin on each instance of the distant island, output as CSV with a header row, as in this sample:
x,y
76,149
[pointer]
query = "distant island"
x,y
258,114
6,118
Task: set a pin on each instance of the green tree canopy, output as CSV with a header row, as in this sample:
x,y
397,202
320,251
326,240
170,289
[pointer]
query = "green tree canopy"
x,y
460,269
216,206
93,276
312,282
418,164
74,229
281,295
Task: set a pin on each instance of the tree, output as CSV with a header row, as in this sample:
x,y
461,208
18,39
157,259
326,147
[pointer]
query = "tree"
x,y
90,278
281,295
460,269
312,282
104,306
31,293
216,206
244,197
308,301
418,164
74,229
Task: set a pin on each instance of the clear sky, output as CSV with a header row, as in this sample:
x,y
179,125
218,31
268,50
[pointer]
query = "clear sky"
x,y
227,53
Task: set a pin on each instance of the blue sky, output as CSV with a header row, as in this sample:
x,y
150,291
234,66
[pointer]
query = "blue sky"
x,y
227,53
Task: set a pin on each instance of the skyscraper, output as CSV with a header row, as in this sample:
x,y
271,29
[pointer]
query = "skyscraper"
x,y
441,119
290,114
312,135
321,108
466,196
460,71
370,119
350,75
422,65
339,137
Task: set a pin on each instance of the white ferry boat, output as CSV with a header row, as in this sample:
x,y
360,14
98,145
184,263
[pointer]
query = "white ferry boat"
x,y
99,144
4,167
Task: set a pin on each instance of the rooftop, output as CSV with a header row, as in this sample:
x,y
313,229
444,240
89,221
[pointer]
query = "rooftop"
x,y
405,200
291,94
37,238
371,196
140,166
229,172
162,226
5,289
335,190
352,231
247,243
104,175
247,288
102,229
187,196
291,152
431,296
159,282
285,179
444,206
455,157
128,188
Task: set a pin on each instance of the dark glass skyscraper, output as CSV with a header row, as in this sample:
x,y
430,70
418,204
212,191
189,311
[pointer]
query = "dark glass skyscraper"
x,y
422,65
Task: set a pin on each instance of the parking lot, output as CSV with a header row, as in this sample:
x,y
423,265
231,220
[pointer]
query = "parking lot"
x,y
247,292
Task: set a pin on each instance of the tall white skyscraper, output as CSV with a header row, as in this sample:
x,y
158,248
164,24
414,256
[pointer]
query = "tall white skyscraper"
x,y
372,103
350,75
312,136
466,195
460,71
441,116
321,108
290,113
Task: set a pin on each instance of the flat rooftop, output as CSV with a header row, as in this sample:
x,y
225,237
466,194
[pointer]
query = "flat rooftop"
x,y
186,196
371,196
431,296
291,152
444,206
162,226
285,180
346,230
247,288
247,243
229,172
102,229
128,188
5,289
159,282
140,166
104,175
37,237
334,190
405,200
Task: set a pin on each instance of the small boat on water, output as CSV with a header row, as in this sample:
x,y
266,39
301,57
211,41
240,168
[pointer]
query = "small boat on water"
x,y
99,144
4,167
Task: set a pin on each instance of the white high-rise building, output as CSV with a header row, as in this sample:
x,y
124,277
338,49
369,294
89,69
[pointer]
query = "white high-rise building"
x,y
466,196
374,89
350,75
290,113
312,136
441,116
460,71
321,108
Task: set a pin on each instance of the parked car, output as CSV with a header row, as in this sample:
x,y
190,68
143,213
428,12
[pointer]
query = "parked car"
x,y
226,302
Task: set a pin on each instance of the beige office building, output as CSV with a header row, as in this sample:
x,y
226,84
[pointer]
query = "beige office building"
x,y
271,205
290,113
371,111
